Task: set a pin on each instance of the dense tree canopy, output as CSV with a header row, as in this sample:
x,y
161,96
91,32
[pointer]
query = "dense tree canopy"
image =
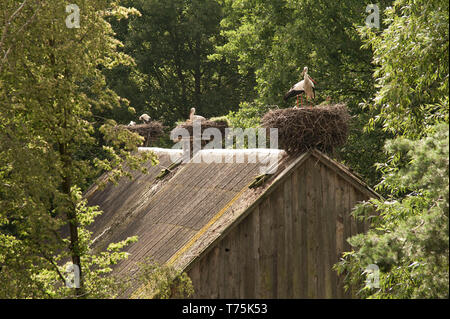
x,y
409,240
411,56
50,84
63,90
171,42
276,39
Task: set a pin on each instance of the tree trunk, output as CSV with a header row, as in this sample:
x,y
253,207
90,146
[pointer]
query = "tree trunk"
x,y
198,83
197,75
71,214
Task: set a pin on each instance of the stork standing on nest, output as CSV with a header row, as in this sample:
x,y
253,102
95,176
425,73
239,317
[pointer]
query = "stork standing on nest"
x,y
305,86
194,117
145,118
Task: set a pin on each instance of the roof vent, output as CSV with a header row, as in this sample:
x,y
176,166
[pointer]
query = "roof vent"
x,y
166,171
259,181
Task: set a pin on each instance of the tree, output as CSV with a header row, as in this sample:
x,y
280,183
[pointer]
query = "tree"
x,y
171,42
409,238
161,282
50,84
412,67
276,39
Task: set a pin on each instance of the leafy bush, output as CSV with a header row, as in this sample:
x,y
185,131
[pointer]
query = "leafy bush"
x,y
409,239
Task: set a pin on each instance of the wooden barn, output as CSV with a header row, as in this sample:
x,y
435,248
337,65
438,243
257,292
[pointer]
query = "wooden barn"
x,y
236,232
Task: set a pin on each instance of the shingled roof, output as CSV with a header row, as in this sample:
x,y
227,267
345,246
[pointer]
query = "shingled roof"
x,y
176,218
166,214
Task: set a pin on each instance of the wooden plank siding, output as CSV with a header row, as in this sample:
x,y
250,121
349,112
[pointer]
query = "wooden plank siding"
x,y
287,244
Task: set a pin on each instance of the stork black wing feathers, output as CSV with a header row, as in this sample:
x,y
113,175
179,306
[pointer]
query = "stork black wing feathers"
x,y
292,93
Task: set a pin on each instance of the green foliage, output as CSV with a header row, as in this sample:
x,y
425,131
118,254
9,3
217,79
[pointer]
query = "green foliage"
x,y
171,42
30,270
60,109
51,84
162,282
411,56
223,118
364,148
409,238
249,115
276,39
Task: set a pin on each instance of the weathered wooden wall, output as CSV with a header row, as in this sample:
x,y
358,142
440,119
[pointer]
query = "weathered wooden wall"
x,y
286,246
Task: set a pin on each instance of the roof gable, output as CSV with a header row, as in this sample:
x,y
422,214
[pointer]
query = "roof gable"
x,y
179,218
222,227
169,215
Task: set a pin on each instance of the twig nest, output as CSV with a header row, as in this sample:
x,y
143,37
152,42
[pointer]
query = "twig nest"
x,y
150,131
221,125
321,127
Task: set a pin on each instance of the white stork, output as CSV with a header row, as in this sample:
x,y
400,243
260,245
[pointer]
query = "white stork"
x,y
305,86
194,117
145,118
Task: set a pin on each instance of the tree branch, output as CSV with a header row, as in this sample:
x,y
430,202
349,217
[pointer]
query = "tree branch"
x,y
5,30
11,18
50,260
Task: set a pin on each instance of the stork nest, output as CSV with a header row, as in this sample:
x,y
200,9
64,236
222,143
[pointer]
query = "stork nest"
x,y
321,127
150,131
221,125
